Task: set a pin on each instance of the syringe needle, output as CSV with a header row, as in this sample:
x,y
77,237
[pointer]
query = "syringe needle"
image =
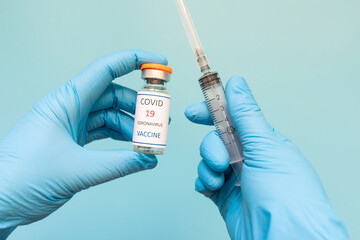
x,y
193,36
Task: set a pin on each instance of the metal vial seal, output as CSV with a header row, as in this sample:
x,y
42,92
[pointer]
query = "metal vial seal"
x,y
152,110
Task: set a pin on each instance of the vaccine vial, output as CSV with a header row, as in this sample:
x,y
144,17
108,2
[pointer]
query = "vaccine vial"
x,y
152,110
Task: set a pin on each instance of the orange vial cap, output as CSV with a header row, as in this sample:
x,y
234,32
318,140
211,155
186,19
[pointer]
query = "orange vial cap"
x,y
156,66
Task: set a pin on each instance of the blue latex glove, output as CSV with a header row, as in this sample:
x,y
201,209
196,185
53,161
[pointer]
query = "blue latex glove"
x,y
281,196
42,159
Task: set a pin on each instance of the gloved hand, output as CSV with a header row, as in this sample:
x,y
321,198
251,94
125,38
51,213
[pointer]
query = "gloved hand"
x,y
42,159
281,196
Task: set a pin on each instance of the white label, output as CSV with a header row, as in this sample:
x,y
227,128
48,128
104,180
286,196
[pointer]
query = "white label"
x,y
151,119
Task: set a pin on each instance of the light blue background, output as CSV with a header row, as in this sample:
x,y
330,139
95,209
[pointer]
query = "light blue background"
x,y
301,59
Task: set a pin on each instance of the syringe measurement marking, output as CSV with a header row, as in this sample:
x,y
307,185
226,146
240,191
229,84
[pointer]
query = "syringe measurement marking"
x,y
212,113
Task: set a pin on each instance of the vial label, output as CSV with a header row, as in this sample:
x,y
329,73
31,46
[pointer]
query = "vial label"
x,y
151,119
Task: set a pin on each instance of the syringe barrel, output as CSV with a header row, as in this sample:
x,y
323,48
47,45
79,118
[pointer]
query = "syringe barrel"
x,y
216,102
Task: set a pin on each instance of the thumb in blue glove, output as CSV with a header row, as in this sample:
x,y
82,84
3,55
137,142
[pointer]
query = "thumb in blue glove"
x,y
281,196
42,159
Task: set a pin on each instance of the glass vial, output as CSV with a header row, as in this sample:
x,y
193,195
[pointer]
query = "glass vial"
x,y
152,110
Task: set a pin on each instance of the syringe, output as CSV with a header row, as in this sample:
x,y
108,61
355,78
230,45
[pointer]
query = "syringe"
x,y
214,94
